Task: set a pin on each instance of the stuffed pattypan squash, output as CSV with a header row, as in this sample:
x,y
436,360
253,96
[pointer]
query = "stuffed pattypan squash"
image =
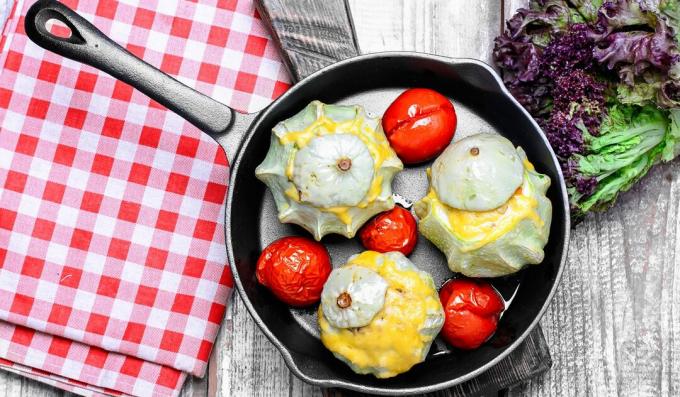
x,y
330,169
486,208
379,313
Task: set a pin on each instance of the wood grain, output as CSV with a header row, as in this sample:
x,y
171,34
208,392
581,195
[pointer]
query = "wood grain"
x,y
433,26
12,385
311,34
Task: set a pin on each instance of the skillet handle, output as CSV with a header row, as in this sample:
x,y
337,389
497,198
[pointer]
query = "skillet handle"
x,y
310,34
89,45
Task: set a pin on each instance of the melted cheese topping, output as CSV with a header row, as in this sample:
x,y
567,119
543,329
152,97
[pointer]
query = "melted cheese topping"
x,y
377,146
393,340
484,227
341,212
292,193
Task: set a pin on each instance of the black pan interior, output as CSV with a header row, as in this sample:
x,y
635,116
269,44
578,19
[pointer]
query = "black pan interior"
x,y
373,82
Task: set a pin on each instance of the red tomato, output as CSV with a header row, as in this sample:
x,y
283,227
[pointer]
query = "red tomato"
x,y
472,310
294,269
419,124
393,230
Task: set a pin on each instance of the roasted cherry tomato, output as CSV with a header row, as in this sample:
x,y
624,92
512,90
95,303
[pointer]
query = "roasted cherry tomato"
x,y
393,230
419,124
294,269
472,310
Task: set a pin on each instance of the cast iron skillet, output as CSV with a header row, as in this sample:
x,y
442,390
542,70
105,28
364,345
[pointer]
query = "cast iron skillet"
x,y
483,105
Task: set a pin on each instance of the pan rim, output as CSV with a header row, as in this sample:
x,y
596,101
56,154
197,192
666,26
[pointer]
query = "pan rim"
x,y
288,359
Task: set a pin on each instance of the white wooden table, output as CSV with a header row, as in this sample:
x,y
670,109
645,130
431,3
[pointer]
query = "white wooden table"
x,y
614,325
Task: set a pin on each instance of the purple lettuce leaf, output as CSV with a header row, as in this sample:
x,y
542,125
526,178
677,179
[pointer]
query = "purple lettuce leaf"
x,y
633,53
519,52
638,44
537,23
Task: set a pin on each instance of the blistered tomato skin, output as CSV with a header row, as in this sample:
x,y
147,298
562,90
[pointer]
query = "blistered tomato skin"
x,y
393,230
294,269
472,310
419,124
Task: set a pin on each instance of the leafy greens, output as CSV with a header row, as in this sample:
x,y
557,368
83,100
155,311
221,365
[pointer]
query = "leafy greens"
x,y
602,78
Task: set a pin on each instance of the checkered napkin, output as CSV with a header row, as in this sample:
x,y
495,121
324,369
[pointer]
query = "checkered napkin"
x,y
113,275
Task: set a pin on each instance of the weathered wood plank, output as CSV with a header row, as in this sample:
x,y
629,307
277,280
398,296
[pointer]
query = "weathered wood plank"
x,y
434,26
247,363
311,34
195,387
13,385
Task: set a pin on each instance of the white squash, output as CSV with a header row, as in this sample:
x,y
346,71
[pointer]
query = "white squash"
x,y
330,169
494,242
477,173
333,171
352,296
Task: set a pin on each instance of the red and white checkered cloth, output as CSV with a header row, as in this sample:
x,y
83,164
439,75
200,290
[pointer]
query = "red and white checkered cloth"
x,y
113,274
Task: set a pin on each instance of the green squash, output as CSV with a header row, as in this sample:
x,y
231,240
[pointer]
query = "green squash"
x,y
494,242
330,169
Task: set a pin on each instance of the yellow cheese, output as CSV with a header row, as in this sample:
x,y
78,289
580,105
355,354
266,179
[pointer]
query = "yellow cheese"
x,y
341,212
320,127
290,165
393,340
293,193
373,192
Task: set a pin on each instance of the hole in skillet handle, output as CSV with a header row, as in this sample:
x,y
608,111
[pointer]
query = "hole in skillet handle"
x,y
47,23
58,29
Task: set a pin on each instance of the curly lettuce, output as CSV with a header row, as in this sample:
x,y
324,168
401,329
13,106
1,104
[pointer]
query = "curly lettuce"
x,y
602,78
